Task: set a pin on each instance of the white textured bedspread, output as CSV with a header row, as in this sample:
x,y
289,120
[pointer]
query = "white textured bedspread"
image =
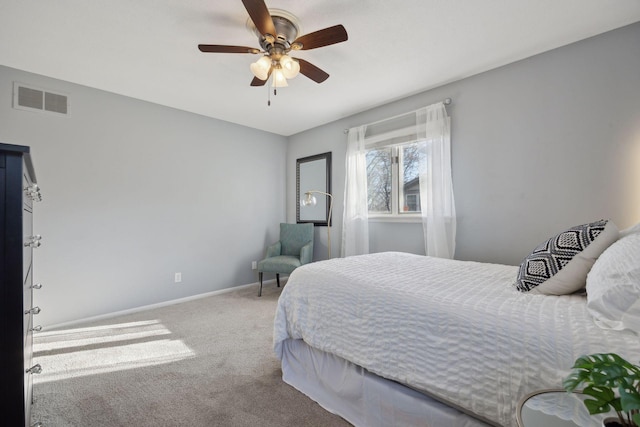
x,y
457,330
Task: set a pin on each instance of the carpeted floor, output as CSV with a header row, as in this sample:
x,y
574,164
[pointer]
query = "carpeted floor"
x,y
207,362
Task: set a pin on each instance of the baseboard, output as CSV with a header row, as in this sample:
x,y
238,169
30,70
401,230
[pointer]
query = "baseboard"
x,y
157,305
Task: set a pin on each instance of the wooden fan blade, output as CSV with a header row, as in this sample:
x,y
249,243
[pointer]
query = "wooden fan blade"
x,y
311,71
320,38
257,82
218,48
260,16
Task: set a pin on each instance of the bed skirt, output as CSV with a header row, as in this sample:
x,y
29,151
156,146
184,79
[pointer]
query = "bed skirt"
x,y
360,397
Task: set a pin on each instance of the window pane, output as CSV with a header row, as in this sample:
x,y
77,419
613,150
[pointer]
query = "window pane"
x,y
379,180
410,159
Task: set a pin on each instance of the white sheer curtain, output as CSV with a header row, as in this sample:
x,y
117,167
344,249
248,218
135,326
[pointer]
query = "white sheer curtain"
x,y
436,186
430,128
355,222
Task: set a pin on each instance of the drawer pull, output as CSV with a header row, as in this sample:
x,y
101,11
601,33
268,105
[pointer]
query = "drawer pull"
x,y
35,369
34,241
37,286
33,188
34,310
36,328
33,192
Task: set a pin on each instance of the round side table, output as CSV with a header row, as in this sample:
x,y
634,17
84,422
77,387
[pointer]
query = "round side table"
x,y
556,408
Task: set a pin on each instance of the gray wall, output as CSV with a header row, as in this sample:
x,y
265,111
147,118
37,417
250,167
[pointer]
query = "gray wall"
x,y
537,146
134,192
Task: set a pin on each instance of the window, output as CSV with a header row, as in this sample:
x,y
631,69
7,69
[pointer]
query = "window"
x,y
393,183
379,180
386,160
412,203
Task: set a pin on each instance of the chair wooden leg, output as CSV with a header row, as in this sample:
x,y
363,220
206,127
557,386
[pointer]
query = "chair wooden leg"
x,y
278,279
260,277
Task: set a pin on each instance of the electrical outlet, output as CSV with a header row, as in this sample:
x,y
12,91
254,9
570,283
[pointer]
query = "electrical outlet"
x,y
178,278
254,265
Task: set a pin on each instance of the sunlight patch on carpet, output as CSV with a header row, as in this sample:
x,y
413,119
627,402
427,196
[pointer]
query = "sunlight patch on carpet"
x,y
95,350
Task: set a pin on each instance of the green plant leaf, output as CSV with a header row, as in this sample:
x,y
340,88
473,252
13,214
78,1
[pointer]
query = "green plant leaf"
x,y
602,375
575,378
605,369
603,399
629,397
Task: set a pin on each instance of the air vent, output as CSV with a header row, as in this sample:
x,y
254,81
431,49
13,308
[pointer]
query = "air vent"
x,y
37,99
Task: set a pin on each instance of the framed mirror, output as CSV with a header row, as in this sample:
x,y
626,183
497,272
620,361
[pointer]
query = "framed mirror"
x,y
313,173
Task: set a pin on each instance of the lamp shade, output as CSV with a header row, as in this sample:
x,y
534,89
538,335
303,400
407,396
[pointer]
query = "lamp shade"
x,y
309,200
279,79
261,68
290,67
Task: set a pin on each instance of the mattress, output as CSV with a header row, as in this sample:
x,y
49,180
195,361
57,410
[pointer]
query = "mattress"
x,y
455,330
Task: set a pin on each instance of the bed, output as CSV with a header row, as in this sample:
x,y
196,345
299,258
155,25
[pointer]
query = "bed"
x,y
401,339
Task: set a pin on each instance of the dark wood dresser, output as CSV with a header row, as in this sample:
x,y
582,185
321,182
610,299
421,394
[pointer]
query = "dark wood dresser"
x,y
18,193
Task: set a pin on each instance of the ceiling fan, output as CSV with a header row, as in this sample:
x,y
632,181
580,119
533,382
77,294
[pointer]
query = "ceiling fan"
x,y
277,33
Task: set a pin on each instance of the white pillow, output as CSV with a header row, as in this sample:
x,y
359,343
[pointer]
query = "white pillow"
x,y
630,230
560,265
613,286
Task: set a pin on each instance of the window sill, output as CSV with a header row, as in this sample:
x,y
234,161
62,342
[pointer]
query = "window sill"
x,y
408,218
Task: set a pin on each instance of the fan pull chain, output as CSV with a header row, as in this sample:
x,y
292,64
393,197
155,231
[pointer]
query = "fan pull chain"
x,y
275,86
275,92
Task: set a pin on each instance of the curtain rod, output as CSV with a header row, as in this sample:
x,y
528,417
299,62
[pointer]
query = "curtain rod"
x,y
446,101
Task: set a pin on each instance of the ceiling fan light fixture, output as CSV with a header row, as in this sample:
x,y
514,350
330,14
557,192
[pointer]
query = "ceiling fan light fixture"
x,y
278,34
261,68
279,80
290,67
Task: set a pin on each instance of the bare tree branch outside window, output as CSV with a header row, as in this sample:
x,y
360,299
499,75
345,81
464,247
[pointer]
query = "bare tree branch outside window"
x,y
380,178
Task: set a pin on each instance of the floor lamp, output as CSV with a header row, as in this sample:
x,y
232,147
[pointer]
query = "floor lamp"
x,y
310,200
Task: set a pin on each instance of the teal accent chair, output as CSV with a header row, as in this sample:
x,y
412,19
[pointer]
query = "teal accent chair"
x,y
295,248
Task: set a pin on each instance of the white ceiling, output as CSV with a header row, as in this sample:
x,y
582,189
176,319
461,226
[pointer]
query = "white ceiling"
x,y
147,49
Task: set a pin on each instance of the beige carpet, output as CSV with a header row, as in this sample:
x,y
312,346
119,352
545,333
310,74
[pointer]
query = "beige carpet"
x,y
207,362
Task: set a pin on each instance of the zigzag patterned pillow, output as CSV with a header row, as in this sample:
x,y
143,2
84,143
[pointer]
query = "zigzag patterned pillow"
x,y
560,265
